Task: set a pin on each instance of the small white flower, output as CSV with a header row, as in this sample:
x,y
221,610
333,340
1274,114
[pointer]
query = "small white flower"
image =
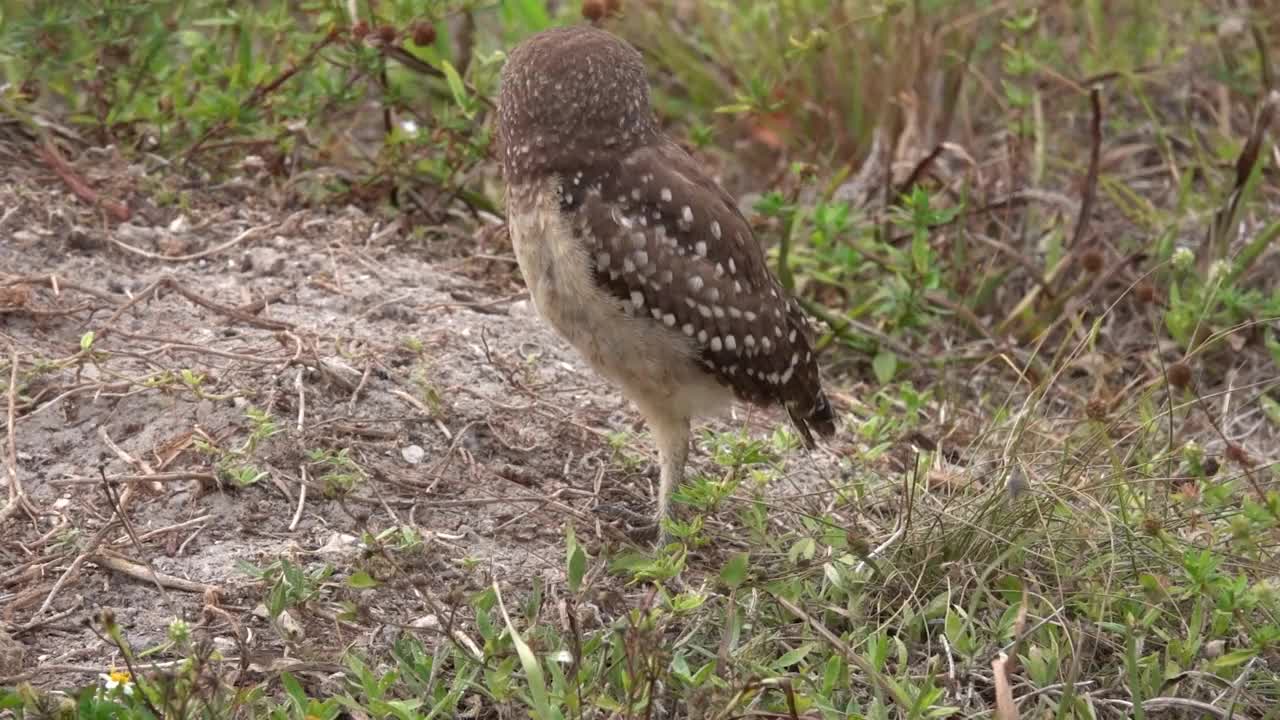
x,y
1219,269
117,679
1183,258
410,127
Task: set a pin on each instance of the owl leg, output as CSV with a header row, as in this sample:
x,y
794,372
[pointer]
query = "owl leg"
x,y
671,436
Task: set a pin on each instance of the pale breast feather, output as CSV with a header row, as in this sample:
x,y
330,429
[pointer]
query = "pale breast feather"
x,y
672,247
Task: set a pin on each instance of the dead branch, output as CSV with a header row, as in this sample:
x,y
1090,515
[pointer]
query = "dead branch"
x,y
141,572
51,157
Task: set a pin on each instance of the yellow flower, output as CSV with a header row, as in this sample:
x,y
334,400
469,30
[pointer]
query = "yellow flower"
x,y
117,679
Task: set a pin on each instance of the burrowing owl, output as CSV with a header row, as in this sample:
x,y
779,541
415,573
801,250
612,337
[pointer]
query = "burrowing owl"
x,y
635,256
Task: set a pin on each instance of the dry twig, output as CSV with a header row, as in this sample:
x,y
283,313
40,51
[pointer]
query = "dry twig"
x,y
247,234
17,495
145,573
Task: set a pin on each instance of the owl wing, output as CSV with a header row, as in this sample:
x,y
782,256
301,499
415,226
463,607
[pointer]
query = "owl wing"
x,y
673,247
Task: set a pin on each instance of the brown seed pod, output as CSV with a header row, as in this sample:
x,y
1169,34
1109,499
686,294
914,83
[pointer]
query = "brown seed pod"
x,y
1238,455
1152,525
29,90
1145,293
424,33
1096,410
1188,488
1092,262
387,34
1211,467
1178,374
594,10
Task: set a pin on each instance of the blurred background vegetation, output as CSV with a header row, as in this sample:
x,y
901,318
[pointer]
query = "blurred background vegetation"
x,y
1059,218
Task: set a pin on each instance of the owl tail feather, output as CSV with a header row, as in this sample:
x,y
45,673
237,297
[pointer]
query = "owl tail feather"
x,y
819,416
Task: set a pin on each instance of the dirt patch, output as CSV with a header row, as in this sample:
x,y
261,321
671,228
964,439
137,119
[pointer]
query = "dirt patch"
x,y
242,355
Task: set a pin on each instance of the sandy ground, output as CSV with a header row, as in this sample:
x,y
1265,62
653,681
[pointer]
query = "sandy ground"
x,y
414,355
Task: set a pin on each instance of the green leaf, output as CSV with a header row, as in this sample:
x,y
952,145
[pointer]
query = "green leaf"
x,y
191,38
885,364
294,691
361,580
687,602
1273,347
86,340
794,656
532,669
803,548
735,571
953,625
831,673
1271,408
1233,659
920,252
457,87
832,573
575,560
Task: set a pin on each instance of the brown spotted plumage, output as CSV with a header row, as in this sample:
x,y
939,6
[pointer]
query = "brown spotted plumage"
x,y
642,262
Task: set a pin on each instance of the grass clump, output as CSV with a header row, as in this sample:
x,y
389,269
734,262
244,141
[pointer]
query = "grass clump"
x,y
1040,239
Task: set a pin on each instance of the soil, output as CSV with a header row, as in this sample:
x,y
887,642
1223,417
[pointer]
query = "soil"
x,y
409,351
